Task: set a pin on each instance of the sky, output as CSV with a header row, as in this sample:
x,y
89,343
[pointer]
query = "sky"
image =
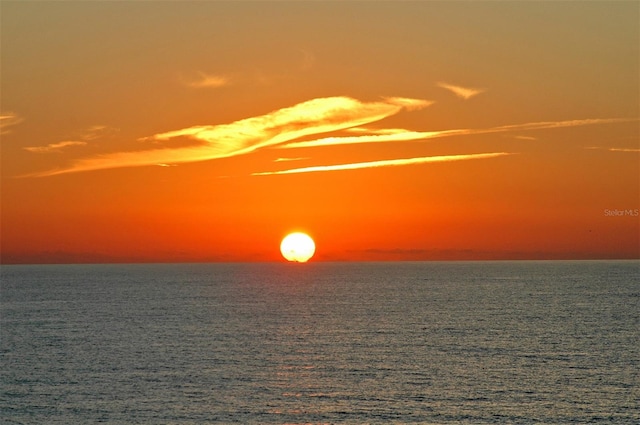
x,y
388,131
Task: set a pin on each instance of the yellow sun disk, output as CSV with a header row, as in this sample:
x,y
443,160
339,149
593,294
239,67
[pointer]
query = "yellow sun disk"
x,y
298,247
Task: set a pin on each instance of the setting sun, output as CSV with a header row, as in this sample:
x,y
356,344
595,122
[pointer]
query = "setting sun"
x,y
297,247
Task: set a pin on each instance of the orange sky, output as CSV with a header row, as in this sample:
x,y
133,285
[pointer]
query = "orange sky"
x,y
206,131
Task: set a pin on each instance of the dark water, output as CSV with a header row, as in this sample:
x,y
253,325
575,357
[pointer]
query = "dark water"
x,y
343,343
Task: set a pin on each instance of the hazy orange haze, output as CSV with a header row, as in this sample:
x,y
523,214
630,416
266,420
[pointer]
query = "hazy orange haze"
x,y
206,131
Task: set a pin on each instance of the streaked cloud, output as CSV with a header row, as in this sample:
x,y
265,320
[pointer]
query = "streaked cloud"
x,y
54,147
386,163
408,103
220,141
204,80
306,118
400,135
623,150
559,124
463,92
374,138
614,149
290,159
97,132
376,130
8,119
88,134
282,128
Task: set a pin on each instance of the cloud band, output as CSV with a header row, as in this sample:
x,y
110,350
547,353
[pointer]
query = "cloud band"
x,y
386,163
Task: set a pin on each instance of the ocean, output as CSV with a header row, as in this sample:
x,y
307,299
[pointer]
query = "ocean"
x,y
321,343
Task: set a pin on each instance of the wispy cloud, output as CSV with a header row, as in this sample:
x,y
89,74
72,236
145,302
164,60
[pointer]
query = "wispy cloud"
x,y
219,141
282,128
386,163
559,124
408,103
361,130
8,119
401,135
91,133
614,149
97,132
623,150
54,147
373,138
204,80
463,92
290,159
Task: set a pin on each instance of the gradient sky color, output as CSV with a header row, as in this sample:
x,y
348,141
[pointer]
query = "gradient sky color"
x,y
207,131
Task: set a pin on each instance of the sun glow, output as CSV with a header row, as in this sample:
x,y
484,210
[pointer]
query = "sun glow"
x,y
297,247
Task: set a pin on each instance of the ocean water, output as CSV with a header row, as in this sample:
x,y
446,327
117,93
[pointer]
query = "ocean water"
x,y
321,343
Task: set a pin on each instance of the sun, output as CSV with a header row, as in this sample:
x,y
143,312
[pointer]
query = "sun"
x,y
298,247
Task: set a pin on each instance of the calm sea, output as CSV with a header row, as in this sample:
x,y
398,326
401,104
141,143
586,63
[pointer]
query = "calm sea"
x,y
316,343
